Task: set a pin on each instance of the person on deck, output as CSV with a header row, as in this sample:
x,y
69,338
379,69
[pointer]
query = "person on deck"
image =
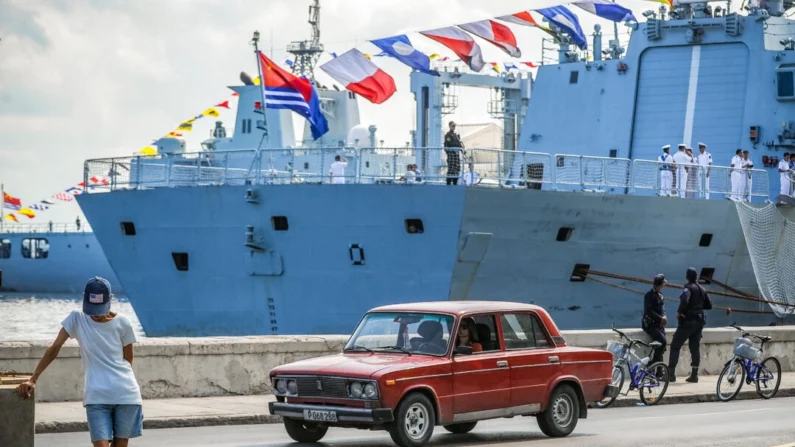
x,y
112,397
452,146
783,174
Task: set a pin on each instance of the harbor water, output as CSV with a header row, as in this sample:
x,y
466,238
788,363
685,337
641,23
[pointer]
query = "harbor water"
x,y
27,317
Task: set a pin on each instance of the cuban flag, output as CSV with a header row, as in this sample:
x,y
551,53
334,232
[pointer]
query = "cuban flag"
x,y
607,9
400,48
567,21
461,43
283,90
359,75
496,33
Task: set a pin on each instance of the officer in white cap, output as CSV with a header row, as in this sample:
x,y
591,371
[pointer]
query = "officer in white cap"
x,y
666,171
681,159
704,160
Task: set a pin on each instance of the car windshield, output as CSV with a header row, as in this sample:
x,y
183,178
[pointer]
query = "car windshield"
x,y
413,333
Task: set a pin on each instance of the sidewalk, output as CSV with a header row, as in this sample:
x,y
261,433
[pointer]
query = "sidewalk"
x,y
60,417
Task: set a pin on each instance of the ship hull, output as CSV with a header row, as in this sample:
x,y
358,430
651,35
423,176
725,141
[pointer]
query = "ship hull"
x,y
346,249
72,258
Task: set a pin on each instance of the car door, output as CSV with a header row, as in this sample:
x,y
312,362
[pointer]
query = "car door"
x,y
533,359
481,380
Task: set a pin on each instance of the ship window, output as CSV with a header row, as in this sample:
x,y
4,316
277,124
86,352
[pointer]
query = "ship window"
x,y
356,253
306,165
613,153
706,275
706,239
128,228
180,261
414,226
573,77
564,233
279,223
38,248
5,249
366,164
580,272
785,84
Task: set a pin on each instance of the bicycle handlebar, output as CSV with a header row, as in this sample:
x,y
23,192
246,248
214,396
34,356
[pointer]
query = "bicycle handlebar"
x,y
762,338
631,341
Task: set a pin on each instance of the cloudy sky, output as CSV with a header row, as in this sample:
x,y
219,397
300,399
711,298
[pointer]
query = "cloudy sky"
x,y
86,79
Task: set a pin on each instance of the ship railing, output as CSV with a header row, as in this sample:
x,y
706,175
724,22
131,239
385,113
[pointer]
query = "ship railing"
x,y
307,165
391,165
54,227
499,168
589,172
703,182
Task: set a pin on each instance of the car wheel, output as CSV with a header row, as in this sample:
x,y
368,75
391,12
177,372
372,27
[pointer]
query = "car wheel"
x,y
460,429
302,431
562,413
414,421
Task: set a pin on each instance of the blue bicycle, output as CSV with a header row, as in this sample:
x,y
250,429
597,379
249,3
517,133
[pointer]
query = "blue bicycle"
x,y
651,381
745,367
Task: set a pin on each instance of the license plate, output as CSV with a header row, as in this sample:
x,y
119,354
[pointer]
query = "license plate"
x,y
320,416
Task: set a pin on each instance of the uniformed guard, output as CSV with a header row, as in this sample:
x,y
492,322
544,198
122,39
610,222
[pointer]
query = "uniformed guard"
x,y
783,173
452,144
666,173
681,160
704,159
736,175
654,319
691,321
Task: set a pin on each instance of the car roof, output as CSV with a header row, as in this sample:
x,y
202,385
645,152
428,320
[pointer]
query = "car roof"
x,y
457,307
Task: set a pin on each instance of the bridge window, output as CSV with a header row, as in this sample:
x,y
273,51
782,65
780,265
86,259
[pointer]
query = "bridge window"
x,y
5,249
785,84
180,261
573,77
38,248
280,223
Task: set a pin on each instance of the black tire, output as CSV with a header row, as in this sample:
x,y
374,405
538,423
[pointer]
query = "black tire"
x,y
618,380
770,366
460,429
414,421
723,376
302,431
562,413
656,370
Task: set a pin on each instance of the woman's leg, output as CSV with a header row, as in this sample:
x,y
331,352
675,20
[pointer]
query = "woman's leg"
x,y
119,442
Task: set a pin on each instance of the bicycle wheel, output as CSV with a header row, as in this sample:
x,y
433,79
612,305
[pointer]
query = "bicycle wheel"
x,y
618,381
654,384
733,374
767,375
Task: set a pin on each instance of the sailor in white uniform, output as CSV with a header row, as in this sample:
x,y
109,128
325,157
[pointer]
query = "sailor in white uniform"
x,y
681,159
736,174
746,183
666,171
783,174
704,160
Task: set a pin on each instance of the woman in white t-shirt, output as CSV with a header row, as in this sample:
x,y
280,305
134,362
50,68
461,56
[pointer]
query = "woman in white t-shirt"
x,y
112,397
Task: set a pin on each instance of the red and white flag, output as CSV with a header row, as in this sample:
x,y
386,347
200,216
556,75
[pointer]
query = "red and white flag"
x,y
461,43
359,75
524,18
64,196
496,33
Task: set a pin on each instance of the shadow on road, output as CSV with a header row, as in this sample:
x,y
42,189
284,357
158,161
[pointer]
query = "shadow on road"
x,y
447,440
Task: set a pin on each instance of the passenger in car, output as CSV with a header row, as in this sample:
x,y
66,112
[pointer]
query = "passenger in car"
x,y
468,336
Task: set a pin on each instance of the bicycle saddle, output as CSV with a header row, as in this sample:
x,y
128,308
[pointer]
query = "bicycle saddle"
x,y
655,344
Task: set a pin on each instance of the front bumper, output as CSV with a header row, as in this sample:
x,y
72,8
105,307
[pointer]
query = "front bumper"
x,y
611,391
344,414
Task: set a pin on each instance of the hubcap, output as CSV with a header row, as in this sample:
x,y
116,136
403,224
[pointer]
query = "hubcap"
x,y
416,421
563,410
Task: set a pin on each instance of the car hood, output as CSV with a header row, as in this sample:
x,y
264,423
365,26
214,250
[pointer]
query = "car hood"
x,y
359,365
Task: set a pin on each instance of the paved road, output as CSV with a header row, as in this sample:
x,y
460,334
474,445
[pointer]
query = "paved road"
x,y
755,423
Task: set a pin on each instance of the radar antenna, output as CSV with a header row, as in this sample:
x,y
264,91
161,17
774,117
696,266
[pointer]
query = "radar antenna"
x,y
307,52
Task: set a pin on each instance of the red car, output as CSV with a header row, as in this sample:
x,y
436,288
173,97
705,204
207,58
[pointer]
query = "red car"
x,y
408,368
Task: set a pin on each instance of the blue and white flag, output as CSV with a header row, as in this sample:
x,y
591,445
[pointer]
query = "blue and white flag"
x,y
562,17
401,49
607,9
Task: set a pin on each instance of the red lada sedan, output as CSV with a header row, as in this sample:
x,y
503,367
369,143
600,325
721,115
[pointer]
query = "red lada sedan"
x,y
410,367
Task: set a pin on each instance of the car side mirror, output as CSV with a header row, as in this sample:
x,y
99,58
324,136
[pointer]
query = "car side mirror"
x,y
463,350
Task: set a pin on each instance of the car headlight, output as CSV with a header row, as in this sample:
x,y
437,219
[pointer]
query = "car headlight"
x,y
370,391
356,390
281,386
292,387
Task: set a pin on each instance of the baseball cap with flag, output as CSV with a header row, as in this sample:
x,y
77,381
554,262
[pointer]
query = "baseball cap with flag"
x,y
96,298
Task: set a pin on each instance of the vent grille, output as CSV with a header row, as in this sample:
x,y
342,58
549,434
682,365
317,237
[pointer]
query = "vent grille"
x,y
332,387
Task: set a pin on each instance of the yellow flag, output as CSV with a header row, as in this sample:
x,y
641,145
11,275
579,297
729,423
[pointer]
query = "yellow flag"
x,y
434,56
367,56
27,212
186,126
148,150
190,121
255,80
12,218
212,111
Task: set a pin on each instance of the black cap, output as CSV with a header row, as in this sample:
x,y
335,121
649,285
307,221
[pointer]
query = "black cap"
x,y
659,279
692,274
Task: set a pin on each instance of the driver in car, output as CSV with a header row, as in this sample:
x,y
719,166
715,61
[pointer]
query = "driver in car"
x,y
468,336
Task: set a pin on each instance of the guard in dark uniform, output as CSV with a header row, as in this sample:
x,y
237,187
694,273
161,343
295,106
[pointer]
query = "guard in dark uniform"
x,y
654,319
691,318
453,140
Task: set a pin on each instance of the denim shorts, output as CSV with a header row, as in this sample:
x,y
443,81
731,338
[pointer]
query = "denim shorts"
x,y
106,422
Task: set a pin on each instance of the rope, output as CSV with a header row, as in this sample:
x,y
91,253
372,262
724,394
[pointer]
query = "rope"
x,y
712,292
727,309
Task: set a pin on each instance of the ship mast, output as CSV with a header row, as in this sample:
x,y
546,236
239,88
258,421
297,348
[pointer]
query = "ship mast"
x,y
307,52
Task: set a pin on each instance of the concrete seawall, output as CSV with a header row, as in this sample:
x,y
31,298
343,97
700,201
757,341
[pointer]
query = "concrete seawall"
x,y
219,366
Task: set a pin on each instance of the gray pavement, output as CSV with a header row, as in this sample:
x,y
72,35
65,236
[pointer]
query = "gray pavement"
x,y
758,423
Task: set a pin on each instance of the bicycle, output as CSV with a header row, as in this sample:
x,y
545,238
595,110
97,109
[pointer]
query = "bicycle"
x,y
644,379
746,364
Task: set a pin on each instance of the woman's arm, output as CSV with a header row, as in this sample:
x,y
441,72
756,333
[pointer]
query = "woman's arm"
x,y
26,389
128,353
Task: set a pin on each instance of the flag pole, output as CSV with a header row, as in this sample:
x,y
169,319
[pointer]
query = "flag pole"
x,y
2,207
255,42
